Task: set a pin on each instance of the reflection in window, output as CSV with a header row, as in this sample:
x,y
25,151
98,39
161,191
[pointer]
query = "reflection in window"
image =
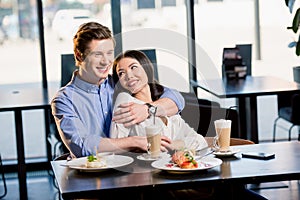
x,y
18,33
165,3
145,4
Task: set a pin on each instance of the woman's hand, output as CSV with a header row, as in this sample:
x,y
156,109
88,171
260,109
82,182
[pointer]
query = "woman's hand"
x,y
141,143
165,144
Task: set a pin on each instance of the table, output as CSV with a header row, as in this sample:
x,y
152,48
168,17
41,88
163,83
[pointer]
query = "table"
x,y
141,177
246,92
20,97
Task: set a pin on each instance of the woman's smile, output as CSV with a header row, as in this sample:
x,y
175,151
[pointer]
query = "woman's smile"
x,y
132,83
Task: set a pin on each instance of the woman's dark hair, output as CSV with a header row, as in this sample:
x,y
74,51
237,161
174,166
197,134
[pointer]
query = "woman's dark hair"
x,y
155,88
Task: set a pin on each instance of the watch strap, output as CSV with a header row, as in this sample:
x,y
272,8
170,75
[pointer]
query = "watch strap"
x,y
149,108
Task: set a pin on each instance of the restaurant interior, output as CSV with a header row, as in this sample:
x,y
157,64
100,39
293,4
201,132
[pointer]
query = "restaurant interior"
x,y
192,43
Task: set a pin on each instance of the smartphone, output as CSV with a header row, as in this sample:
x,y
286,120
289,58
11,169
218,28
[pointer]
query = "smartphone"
x,y
258,155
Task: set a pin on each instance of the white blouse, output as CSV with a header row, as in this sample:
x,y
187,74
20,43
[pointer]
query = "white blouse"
x,y
176,128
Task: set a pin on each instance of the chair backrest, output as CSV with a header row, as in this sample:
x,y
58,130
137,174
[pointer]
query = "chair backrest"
x,y
64,156
151,54
67,68
246,53
295,115
221,113
285,99
238,56
200,114
191,98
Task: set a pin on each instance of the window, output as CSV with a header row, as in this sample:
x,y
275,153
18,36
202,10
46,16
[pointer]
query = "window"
x,y
145,4
165,3
165,29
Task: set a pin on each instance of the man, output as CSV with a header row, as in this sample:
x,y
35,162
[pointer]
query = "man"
x,y
83,108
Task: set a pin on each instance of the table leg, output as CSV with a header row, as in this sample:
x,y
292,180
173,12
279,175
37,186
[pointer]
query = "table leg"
x,y
247,107
20,154
241,102
47,131
253,133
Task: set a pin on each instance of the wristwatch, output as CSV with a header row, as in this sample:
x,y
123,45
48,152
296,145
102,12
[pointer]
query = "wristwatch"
x,y
151,109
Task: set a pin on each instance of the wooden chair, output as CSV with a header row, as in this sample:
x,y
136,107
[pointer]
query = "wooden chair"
x,y
233,141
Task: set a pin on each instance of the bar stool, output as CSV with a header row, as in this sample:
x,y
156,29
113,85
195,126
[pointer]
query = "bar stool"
x,y
3,179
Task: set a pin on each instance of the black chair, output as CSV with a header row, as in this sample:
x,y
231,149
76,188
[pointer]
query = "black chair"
x,y
67,68
246,53
288,110
3,179
235,60
200,114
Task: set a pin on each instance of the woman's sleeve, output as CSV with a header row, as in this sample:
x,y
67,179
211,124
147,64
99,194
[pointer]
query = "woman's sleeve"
x,y
191,138
118,130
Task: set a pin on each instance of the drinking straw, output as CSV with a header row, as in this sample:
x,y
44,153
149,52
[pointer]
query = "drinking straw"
x,y
96,150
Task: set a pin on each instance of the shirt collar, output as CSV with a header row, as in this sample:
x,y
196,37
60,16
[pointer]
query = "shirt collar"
x,y
85,86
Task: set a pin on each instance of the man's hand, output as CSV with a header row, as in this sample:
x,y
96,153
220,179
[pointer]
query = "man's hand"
x,y
130,113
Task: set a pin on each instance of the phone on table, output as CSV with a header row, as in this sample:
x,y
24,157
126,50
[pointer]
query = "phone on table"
x,y
258,155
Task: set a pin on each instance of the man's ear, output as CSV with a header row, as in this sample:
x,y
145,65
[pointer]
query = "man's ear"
x,y
78,56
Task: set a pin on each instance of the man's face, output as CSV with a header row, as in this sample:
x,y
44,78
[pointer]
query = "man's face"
x,y
98,62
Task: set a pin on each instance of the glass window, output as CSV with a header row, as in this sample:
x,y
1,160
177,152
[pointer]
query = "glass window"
x,y
236,25
146,4
168,3
61,21
20,64
232,22
21,57
162,28
18,34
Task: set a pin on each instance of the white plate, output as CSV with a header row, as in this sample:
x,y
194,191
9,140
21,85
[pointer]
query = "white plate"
x,y
146,157
227,154
112,161
203,164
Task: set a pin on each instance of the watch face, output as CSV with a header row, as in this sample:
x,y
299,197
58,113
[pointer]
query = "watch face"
x,y
152,110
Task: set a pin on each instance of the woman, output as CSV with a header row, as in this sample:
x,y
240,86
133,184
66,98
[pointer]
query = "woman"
x,y
134,71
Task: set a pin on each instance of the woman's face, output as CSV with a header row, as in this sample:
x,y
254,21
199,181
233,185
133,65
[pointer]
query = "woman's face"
x,y
98,61
132,75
